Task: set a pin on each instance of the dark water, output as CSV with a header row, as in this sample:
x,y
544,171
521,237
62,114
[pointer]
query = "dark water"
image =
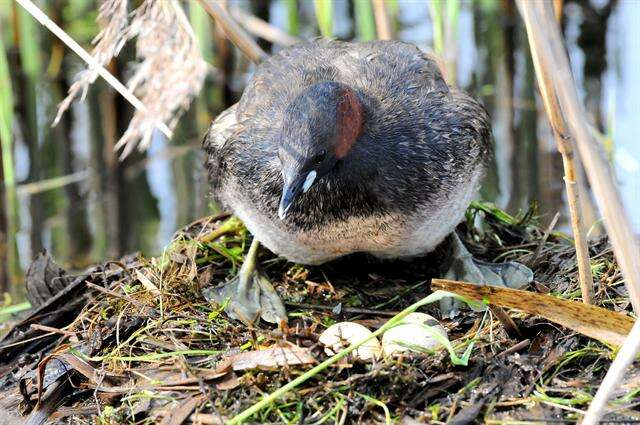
x,y
103,208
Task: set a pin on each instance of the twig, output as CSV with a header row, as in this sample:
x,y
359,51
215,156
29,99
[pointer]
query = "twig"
x,y
565,147
536,254
116,295
623,360
234,32
507,322
383,23
550,58
263,29
44,20
515,348
40,327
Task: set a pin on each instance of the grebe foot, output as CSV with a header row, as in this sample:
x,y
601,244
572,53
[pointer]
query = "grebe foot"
x,y
249,295
467,269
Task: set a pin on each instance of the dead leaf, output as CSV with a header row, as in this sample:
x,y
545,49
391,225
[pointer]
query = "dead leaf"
x,y
148,285
180,414
208,419
604,325
229,382
271,358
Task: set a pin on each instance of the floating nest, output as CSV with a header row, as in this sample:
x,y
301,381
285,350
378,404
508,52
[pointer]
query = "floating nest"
x,y
134,341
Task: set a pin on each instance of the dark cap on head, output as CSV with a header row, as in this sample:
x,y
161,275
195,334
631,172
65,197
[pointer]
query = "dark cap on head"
x,y
319,128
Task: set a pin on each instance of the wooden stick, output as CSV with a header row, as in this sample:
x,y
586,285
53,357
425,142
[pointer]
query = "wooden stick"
x,y
565,147
44,20
234,32
383,23
551,58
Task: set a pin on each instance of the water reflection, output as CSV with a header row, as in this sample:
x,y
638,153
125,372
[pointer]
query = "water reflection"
x,y
111,208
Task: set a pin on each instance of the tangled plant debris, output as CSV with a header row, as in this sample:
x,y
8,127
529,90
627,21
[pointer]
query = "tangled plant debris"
x,y
134,341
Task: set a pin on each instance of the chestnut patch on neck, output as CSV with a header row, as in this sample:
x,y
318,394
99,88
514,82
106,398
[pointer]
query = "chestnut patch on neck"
x,y
349,122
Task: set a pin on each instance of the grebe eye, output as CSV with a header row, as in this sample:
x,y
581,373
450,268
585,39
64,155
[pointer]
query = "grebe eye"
x,y
320,157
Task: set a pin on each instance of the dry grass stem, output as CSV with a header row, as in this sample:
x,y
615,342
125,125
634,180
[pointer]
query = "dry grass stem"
x,y
263,29
544,34
551,57
383,22
234,32
614,377
565,147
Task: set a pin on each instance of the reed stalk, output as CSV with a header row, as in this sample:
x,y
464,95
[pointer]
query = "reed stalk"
x,y
28,44
365,21
292,16
383,21
566,149
7,197
625,357
444,18
544,34
548,49
234,32
201,25
6,118
324,16
263,29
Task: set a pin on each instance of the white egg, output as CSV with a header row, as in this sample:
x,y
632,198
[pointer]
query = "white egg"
x,y
340,335
411,333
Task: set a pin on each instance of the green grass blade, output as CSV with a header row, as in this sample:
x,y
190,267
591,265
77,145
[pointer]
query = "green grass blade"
x,y
6,118
324,15
365,20
293,17
29,45
437,21
8,311
201,23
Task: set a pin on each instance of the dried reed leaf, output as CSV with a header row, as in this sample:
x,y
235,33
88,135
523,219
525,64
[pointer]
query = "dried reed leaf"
x,y
113,19
169,73
146,282
604,325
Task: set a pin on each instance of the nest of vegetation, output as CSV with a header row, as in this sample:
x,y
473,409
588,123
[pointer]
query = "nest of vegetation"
x,y
134,341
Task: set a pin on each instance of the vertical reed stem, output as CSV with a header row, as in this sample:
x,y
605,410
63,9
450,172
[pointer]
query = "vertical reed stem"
x,y
234,32
7,180
546,41
548,50
383,23
565,147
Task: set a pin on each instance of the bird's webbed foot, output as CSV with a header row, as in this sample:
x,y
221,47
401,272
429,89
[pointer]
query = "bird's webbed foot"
x,y
249,296
465,268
